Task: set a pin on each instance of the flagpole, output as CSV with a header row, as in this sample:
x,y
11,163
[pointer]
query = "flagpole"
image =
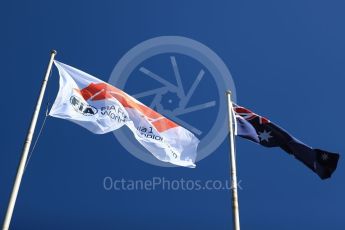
x,y
26,146
235,211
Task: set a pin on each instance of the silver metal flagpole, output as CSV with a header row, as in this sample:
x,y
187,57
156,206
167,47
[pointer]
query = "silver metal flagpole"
x,y
26,146
235,212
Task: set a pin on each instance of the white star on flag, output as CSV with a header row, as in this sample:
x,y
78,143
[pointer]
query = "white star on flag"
x,y
264,136
324,156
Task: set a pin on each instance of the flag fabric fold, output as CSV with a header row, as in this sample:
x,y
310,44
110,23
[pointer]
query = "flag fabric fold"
x,y
260,130
102,108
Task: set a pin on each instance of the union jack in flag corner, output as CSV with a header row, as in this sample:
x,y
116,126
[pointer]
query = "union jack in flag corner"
x,y
260,130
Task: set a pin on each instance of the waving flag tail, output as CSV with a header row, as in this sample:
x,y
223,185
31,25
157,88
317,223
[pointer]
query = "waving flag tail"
x,y
260,130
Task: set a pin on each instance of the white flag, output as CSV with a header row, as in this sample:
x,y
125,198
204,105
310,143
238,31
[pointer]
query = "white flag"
x,y
101,108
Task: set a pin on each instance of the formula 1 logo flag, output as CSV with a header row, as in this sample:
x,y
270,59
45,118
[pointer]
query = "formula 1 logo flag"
x,y
102,108
260,130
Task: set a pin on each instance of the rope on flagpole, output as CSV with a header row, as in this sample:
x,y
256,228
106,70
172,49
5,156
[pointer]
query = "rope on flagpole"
x,y
38,135
234,119
41,129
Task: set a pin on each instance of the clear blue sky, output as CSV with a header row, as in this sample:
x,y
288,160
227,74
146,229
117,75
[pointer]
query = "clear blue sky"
x,y
287,61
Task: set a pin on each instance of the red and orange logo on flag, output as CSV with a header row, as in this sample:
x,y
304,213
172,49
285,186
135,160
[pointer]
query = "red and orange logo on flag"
x,y
103,91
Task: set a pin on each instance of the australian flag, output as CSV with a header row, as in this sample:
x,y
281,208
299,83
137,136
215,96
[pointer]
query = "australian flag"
x,y
260,130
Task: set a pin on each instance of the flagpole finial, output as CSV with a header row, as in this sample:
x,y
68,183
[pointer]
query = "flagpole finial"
x,y
53,52
228,92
